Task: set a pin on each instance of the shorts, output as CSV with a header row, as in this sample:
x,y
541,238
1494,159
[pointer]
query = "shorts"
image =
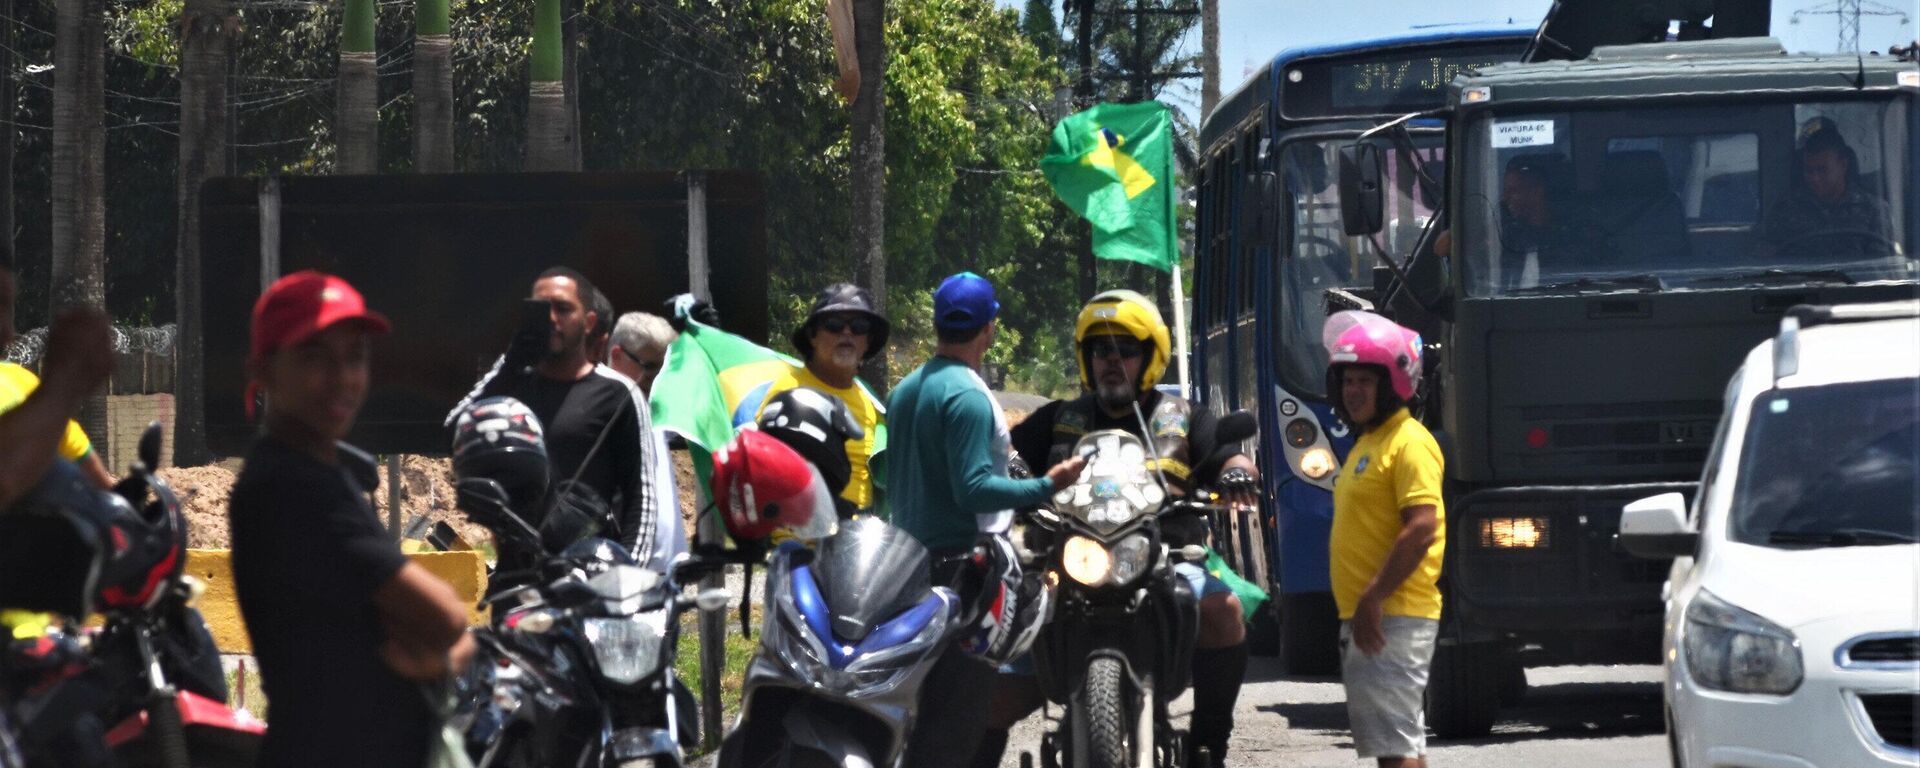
x,y
1386,694
1203,583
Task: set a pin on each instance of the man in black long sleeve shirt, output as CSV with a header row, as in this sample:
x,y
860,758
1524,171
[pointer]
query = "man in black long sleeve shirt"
x,y
582,404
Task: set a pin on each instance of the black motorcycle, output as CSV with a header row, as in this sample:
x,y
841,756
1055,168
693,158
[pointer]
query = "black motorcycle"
x,y
576,668
147,688
1120,644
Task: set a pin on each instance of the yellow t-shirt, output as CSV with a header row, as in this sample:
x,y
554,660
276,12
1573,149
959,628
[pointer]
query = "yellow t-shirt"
x,y
1393,467
16,383
867,411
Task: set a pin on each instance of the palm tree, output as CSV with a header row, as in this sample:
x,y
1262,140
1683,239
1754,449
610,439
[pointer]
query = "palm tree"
x,y
548,120
869,158
432,88
205,28
79,167
357,127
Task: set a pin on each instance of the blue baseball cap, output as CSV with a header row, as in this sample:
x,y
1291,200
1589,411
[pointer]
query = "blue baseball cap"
x,y
964,302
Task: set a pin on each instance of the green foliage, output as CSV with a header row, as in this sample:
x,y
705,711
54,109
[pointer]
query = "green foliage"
x,y
1037,23
663,84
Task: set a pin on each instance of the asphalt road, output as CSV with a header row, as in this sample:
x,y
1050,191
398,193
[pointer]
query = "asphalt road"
x,y
1572,716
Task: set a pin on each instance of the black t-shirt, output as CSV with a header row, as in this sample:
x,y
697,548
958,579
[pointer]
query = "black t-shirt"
x,y
1036,438
574,415
308,553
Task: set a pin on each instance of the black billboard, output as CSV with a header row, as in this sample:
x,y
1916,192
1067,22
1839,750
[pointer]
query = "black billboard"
x,y
448,257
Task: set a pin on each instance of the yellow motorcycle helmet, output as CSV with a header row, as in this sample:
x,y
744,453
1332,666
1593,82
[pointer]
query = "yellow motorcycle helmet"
x,y
1123,313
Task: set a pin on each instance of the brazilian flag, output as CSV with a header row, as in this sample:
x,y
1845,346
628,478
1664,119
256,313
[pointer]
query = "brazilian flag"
x,y
713,383
1113,164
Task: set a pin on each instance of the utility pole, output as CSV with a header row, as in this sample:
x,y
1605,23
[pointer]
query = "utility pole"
x,y
1209,56
1848,13
1083,98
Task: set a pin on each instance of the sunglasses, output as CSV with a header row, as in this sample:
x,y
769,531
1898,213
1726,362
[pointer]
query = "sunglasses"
x,y
1126,349
859,325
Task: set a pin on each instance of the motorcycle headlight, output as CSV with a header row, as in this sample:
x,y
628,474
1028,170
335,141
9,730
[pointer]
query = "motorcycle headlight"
x,y
1129,558
786,633
878,673
627,648
1732,649
1085,561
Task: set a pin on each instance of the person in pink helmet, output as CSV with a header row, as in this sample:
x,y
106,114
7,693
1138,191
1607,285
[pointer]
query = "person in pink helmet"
x,y
1388,536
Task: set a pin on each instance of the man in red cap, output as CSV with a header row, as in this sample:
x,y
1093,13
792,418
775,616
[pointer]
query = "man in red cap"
x,y
344,625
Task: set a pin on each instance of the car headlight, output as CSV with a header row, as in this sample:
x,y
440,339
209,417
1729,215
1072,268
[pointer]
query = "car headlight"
x,y
1085,561
627,648
1514,533
1317,463
1732,649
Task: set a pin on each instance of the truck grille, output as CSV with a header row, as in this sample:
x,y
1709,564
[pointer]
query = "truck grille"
x,y
1552,544
1884,650
1893,717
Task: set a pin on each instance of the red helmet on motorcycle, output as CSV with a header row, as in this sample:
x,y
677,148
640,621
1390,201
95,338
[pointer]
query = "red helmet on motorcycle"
x,y
762,484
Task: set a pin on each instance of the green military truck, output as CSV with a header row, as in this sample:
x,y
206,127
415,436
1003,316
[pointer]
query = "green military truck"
x,y
1617,231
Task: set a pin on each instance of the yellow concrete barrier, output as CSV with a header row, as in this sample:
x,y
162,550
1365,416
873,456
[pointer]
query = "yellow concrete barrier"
x,y
465,571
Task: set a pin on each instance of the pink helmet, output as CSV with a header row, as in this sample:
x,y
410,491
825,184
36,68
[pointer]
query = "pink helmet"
x,y
1364,338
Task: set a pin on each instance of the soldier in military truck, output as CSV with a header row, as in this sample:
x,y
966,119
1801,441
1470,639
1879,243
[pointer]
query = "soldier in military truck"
x,y
1831,212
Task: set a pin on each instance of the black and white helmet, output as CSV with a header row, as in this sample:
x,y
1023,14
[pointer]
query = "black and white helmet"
x,y
500,439
817,426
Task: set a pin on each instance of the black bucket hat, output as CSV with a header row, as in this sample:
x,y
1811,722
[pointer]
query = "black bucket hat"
x,y
843,297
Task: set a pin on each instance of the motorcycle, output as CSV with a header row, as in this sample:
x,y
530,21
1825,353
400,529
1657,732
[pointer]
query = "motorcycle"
x,y
1119,648
576,668
851,630
152,671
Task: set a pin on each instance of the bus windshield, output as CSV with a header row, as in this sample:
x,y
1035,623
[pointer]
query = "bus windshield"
x,y
1321,256
1687,197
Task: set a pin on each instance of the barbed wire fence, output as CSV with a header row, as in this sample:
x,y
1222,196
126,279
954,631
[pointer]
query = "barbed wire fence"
x,y
27,348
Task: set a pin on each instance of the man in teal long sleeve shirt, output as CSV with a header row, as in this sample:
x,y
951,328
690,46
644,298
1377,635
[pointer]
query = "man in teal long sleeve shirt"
x,y
947,485
948,471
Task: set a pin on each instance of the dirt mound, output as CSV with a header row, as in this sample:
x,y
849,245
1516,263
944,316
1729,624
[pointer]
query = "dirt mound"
x,y
427,482
203,495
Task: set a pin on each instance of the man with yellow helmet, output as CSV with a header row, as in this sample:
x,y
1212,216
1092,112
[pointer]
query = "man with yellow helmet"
x,y
1122,347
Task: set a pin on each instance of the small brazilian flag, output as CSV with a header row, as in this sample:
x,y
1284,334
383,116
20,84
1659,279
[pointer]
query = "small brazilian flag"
x,y
712,384
1113,164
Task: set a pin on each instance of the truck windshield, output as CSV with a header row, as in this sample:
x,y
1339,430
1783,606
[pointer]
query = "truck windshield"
x,y
1830,466
1688,197
1320,254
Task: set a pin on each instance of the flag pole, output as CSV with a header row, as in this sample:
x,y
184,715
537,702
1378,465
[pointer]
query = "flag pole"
x,y
1180,330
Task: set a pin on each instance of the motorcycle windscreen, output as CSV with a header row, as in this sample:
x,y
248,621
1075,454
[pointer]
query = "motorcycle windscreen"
x,y
869,572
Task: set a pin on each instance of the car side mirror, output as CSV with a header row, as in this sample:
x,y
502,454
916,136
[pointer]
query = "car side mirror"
x,y
1362,189
1656,528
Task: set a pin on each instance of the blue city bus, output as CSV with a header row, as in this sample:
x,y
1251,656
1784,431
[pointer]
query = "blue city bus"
x,y
1269,249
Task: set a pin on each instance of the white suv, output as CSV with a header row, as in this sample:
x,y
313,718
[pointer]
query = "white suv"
x,y
1793,606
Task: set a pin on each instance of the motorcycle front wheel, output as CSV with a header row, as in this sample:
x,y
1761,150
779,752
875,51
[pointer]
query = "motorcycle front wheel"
x,y
1103,737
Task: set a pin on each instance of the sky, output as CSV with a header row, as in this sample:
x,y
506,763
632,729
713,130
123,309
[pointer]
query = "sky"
x,y
1252,31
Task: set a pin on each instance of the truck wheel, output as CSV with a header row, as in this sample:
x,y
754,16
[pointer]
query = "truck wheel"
x,y
1310,633
1463,690
1513,680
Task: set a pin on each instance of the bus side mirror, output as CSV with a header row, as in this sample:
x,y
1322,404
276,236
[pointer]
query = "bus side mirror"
x,y
1362,196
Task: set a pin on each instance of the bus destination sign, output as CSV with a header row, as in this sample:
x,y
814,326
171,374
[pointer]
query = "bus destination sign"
x,y
1385,82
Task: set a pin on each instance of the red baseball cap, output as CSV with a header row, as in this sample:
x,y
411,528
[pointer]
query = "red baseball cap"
x,y
300,305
